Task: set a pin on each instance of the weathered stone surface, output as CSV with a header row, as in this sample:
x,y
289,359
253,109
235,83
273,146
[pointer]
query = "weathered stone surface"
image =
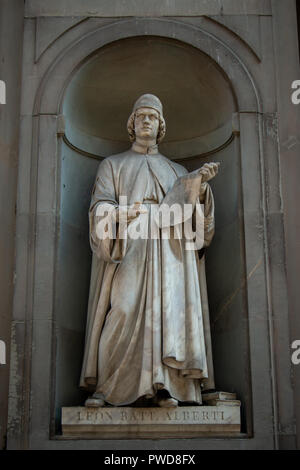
x,y
11,42
32,383
49,29
154,8
246,27
287,70
120,422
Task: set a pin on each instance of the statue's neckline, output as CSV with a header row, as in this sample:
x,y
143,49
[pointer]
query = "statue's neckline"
x,y
153,150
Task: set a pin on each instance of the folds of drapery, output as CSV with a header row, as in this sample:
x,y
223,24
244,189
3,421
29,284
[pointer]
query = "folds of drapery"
x,y
171,302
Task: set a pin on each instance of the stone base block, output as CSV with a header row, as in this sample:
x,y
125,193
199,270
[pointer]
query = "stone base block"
x,y
143,423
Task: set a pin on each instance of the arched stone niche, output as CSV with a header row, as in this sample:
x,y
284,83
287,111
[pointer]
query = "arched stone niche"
x,y
199,104
236,260
197,97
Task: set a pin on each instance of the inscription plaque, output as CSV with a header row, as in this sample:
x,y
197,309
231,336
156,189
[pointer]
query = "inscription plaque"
x,y
127,422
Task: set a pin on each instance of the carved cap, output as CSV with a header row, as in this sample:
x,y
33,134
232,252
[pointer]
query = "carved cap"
x,y
148,101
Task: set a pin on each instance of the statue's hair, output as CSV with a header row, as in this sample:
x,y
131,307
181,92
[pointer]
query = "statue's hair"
x,y
161,130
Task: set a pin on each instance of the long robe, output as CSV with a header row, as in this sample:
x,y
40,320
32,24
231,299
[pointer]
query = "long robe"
x,y
148,324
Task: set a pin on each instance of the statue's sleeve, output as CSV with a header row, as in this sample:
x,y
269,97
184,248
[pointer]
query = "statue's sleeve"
x,y
208,205
105,238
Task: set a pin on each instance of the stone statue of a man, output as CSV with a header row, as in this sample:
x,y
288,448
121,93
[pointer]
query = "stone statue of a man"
x,y
148,332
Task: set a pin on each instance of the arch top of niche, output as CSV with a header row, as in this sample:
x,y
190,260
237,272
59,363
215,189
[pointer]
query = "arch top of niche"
x,y
49,98
198,101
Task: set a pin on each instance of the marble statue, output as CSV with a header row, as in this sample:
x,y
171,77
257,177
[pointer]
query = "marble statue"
x,y
148,333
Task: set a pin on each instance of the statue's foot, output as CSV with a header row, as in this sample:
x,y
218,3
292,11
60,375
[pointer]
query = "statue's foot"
x,y
167,402
95,401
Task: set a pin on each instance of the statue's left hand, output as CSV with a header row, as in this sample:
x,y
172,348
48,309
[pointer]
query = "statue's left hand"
x,y
209,171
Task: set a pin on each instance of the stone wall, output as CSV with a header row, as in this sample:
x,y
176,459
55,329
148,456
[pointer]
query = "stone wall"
x,y
11,34
248,42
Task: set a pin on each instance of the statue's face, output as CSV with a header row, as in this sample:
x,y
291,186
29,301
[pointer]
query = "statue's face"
x,y
146,123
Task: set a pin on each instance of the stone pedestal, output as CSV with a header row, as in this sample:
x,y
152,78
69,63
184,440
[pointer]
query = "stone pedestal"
x,y
142,423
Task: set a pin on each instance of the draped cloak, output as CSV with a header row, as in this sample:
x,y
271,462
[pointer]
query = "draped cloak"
x,y
148,321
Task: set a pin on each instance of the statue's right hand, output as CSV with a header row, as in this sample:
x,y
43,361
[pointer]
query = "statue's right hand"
x,y
135,210
128,213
